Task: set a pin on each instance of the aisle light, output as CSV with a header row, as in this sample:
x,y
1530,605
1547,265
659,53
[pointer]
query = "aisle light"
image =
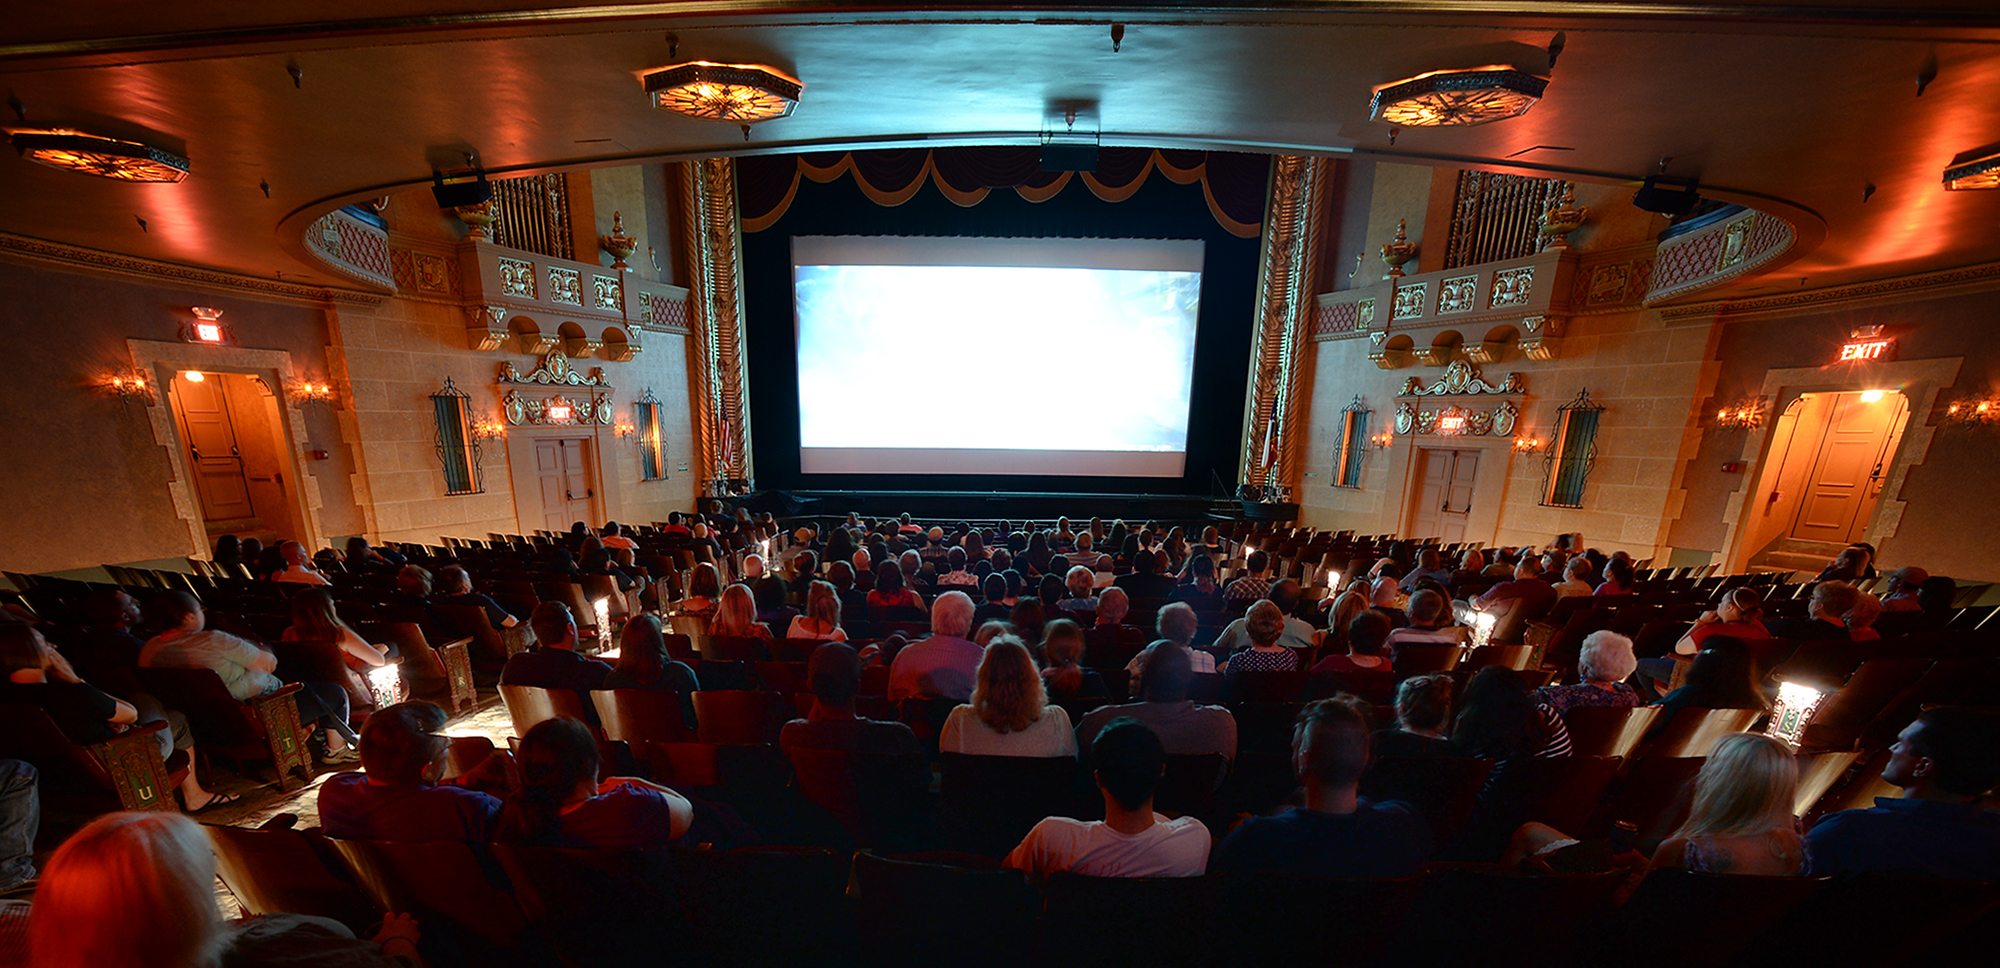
x,y
1482,628
385,684
1794,711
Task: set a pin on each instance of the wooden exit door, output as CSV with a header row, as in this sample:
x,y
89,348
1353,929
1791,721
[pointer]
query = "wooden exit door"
x,y
214,458
565,482
1443,495
1850,466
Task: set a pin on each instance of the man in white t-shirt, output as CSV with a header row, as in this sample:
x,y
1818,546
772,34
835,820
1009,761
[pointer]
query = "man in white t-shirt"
x,y
1131,840
298,566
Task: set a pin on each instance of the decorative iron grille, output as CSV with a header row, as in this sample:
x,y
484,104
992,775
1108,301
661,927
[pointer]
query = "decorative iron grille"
x,y
1572,452
1495,217
532,214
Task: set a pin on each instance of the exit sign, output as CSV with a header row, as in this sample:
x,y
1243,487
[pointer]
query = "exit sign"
x,y
1868,350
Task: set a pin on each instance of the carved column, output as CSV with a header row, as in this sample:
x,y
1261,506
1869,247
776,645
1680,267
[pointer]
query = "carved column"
x,y
1274,419
713,239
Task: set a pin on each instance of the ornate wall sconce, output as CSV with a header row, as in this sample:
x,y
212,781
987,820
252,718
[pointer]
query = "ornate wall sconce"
x,y
1973,411
624,431
1383,440
1528,445
488,429
307,393
129,387
1747,414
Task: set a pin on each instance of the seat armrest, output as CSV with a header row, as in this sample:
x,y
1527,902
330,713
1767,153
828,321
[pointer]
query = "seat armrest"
x,y
138,774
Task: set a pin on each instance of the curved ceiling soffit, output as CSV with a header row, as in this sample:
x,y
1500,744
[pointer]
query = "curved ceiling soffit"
x,y
1808,228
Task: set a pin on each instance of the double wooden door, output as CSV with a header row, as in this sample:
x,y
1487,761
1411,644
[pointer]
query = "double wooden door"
x,y
1850,466
564,480
1443,495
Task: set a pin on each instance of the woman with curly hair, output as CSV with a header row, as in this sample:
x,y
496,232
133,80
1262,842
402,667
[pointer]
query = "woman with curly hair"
x,y
1010,713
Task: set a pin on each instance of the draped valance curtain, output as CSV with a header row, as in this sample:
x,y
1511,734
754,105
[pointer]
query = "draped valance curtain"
x,y
1233,184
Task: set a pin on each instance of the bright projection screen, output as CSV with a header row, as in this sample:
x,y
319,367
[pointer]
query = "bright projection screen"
x,y
995,356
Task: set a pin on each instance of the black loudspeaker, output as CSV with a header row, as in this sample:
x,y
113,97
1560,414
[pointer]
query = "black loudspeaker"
x,y
1057,157
1668,196
464,189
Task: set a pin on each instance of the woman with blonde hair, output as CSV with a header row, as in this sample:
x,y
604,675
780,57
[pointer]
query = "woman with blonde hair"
x,y
1741,818
736,615
1340,614
822,618
1010,713
137,890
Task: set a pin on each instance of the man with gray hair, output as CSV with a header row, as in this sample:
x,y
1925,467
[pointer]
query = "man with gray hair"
x,y
945,665
1177,624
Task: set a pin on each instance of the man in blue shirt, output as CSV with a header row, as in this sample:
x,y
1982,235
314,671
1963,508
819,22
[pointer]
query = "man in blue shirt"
x,y
400,798
1337,834
1943,762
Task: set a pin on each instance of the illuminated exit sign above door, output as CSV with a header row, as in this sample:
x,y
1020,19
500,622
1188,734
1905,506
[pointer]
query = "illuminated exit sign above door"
x,y
1867,345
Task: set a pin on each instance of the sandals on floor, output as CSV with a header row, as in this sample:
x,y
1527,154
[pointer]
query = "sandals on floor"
x,y
217,801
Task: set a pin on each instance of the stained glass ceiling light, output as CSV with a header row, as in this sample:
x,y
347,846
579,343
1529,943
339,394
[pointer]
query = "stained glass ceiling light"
x,y
1467,97
98,155
1975,174
737,93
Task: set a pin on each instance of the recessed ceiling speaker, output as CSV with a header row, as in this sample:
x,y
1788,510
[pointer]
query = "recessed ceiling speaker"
x,y
1070,157
461,188
1668,195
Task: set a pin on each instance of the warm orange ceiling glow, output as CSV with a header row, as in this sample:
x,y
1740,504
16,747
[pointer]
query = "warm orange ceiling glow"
x,y
737,93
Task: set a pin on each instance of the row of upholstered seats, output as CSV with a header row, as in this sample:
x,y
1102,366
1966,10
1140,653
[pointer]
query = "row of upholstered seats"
x,y
779,906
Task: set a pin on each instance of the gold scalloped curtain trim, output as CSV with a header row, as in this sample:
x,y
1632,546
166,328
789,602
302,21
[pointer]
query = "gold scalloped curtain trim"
x,y
891,197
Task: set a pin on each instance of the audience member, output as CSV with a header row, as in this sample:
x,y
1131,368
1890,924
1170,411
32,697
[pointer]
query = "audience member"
x,y
1423,707
834,675
1603,664
1145,581
736,616
995,607
1264,624
1499,719
1826,614
1367,641
1063,674
330,649
1340,612
1740,821
1028,619
1430,620
1249,585
1943,762
946,664
1901,593
20,824
297,566
244,668
1294,632
561,802
643,663
1576,580
402,797
1197,585
137,890
1177,625
1619,578
1721,677
704,587
553,663
107,654
1079,602
1430,565
1009,713
360,557
768,593
1184,727
1338,833
1527,591
821,620
454,587
37,675
890,591
1131,840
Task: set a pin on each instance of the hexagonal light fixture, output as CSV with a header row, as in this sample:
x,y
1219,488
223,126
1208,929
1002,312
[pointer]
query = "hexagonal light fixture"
x,y
1466,97
736,93
98,155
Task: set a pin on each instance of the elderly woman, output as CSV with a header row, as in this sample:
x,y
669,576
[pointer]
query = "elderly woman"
x,y
1078,600
1009,713
137,890
1604,664
1264,623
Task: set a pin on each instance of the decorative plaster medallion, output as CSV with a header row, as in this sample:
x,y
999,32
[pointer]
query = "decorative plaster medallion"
x,y
517,278
565,286
1462,378
1458,294
1410,301
1511,287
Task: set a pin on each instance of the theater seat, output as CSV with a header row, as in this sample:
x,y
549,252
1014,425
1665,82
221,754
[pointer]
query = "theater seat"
x,y
1494,917
1608,730
986,804
124,771
908,913
767,906
264,728
1095,922
598,908
286,872
444,886
1679,917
